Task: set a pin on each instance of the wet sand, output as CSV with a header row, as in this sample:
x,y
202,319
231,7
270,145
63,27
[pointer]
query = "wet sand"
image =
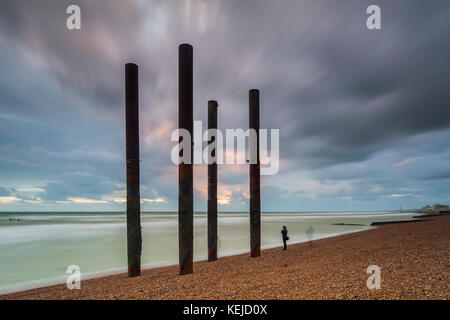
x,y
414,259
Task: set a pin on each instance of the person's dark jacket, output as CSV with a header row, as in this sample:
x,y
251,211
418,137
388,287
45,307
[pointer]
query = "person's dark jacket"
x,y
284,234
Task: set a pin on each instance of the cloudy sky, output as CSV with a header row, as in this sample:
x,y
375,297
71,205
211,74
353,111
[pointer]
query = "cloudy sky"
x,y
363,115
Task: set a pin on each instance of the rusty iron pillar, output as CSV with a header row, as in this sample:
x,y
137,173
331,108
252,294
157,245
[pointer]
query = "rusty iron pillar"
x,y
255,202
185,173
212,186
134,237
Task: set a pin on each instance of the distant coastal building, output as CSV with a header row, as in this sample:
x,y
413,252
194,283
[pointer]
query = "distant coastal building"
x,y
436,209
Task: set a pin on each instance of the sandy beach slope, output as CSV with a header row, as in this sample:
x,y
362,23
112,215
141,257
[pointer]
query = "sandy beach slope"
x,y
413,257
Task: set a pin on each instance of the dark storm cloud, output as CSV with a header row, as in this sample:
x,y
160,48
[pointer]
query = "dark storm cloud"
x,y
377,88
81,61
349,102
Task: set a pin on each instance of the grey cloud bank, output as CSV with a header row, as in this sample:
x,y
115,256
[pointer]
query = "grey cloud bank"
x,y
352,105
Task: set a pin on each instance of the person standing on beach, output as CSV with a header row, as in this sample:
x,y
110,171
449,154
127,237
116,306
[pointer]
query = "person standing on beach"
x,y
285,237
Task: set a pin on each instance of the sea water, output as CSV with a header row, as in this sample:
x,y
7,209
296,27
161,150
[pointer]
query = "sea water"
x,y
37,248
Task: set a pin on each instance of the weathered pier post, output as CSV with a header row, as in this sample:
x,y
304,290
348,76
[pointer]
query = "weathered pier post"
x,y
255,203
185,173
212,186
134,237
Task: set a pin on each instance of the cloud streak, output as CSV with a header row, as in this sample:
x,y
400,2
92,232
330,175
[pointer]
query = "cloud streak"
x,y
406,161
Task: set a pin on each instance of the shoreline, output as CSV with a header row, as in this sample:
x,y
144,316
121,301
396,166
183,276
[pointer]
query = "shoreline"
x,y
40,284
413,257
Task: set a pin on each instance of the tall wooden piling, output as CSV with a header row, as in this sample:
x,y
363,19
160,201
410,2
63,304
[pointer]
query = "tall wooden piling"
x,y
212,186
255,203
134,238
185,173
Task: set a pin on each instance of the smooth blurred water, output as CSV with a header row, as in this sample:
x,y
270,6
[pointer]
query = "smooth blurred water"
x,y
37,249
